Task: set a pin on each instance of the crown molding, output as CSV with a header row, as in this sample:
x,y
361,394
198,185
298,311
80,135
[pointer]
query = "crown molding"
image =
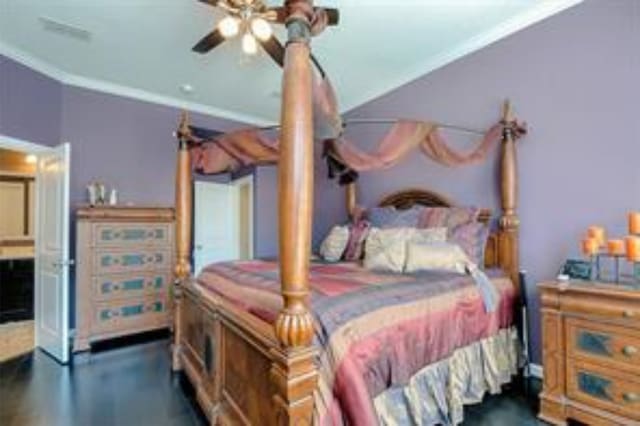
x,y
102,86
16,144
542,10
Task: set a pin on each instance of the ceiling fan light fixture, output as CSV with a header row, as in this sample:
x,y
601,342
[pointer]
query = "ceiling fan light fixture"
x,y
229,26
261,29
249,44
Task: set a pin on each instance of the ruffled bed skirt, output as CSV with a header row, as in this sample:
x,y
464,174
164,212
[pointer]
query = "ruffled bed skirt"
x,y
437,393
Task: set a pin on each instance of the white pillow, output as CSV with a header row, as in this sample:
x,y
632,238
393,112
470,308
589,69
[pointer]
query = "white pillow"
x,y
385,249
438,255
428,235
335,243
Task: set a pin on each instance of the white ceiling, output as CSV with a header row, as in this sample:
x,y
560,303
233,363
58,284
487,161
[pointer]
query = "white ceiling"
x,y
142,48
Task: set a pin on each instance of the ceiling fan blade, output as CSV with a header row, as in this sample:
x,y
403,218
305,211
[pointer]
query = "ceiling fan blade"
x,y
276,14
333,15
210,2
274,48
208,42
279,14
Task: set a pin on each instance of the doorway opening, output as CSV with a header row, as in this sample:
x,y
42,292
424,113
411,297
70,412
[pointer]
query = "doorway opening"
x,y
34,240
17,245
223,221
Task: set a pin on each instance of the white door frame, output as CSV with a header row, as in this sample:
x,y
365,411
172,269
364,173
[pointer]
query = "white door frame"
x,y
250,180
15,144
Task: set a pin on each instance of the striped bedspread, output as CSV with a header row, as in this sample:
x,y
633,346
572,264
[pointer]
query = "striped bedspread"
x,y
374,330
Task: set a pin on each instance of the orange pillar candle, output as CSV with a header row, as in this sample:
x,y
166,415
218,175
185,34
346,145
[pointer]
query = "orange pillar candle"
x,y
616,247
598,233
633,249
634,223
590,246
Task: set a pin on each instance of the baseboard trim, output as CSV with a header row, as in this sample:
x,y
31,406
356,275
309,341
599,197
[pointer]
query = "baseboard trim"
x,y
535,370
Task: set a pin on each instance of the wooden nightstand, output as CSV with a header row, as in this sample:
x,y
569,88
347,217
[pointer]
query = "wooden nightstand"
x,y
590,353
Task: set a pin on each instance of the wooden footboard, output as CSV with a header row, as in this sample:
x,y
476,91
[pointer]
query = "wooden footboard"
x,y
237,367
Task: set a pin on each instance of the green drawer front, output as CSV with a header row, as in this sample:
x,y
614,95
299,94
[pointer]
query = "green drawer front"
x,y
111,287
132,234
594,343
133,310
132,261
594,385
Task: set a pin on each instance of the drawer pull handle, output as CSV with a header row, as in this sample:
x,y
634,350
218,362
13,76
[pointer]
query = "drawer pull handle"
x,y
629,350
631,397
628,313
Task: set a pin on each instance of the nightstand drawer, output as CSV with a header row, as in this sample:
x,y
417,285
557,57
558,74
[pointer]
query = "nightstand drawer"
x,y
603,343
627,312
132,234
604,388
112,287
134,260
131,314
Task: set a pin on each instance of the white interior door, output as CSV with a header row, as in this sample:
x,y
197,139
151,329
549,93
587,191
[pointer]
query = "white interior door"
x,y
215,224
52,253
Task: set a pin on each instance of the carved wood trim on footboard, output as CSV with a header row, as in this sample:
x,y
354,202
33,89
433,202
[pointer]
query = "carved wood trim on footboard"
x,y
238,369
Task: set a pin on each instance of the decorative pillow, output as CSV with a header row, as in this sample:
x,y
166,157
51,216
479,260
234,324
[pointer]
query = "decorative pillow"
x,y
428,235
358,232
449,217
385,249
379,217
334,244
472,238
441,256
390,217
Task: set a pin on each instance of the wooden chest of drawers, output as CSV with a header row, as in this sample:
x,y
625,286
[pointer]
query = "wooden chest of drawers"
x,y
591,353
124,259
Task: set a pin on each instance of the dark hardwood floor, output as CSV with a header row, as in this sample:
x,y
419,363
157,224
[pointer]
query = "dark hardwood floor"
x,y
133,385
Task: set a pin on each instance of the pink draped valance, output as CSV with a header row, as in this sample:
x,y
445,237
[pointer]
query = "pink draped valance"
x,y
249,147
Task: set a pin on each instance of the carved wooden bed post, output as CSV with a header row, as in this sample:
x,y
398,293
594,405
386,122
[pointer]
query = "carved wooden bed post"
x,y
293,372
509,223
183,233
351,195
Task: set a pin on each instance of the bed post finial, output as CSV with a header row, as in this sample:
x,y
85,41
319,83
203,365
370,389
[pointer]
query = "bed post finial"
x,y
508,255
183,126
351,194
183,205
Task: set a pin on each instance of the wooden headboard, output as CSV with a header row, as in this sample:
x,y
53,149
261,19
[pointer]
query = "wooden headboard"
x,y
403,200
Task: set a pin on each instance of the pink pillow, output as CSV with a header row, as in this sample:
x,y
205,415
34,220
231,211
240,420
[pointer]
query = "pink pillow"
x,y
448,217
358,232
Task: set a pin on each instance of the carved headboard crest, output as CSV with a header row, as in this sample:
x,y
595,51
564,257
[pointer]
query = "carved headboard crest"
x,y
403,200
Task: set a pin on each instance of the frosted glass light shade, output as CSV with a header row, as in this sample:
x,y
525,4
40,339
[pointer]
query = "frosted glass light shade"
x,y
249,44
228,26
261,29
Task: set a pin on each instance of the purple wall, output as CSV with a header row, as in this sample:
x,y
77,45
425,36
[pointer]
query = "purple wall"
x,y
123,142
576,79
29,104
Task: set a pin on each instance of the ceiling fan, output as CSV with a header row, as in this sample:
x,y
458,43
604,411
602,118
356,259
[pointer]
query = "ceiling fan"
x,y
252,19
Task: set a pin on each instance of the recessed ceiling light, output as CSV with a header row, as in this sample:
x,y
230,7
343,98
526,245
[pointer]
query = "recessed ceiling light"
x,y
31,159
186,89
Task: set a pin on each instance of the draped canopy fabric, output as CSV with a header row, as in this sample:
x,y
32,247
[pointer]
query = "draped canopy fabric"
x,y
403,138
247,147
234,150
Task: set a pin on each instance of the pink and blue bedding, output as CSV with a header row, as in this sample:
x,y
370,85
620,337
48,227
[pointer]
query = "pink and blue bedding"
x,y
390,345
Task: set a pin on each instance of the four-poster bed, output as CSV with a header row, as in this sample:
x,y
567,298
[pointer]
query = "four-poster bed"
x,y
253,369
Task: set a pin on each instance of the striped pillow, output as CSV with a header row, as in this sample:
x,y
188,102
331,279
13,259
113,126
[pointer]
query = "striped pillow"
x,y
449,217
358,233
472,238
